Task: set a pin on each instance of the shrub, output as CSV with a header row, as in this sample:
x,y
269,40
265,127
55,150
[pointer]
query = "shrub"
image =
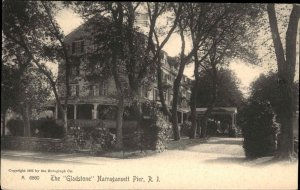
x,y
259,130
155,130
233,132
211,128
16,127
96,139
185,128
45,128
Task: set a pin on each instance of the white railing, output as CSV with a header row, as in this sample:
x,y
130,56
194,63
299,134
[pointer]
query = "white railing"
x,y
96,122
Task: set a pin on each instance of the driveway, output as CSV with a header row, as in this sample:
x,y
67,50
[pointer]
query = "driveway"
x,y
217,164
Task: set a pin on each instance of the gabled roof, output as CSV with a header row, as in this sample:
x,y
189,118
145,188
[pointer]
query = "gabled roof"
x,y
85,29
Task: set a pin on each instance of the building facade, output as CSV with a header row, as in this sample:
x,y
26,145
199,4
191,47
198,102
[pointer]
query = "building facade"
x,y
95,100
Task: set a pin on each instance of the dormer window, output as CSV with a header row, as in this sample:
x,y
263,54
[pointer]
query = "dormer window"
x,y
78,47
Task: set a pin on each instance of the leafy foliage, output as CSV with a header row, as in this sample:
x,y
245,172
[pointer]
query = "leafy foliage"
x,y
32,34
39,128
259,130
97,139
266,89
185,128
259,121
21,85
228,93
156,129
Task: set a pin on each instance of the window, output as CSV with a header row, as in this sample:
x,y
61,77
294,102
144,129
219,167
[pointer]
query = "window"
x,y
142,19
75,70
93,90
188,95
68,47
78,47
74,90
169,77
165,96
169,96
155,95
164,77
144,91
103,88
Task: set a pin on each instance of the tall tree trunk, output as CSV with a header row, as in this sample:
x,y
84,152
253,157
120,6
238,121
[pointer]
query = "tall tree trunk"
x,y
48,75
212,103
58,35
26,119
286,72
120,105
193,101
61,109
193,110
137,106
117,63
176,85
120,112
65,118
133,77
67,85
3,116
120,100
286,141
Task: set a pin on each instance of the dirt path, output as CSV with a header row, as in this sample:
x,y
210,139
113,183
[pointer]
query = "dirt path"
x,y
216,164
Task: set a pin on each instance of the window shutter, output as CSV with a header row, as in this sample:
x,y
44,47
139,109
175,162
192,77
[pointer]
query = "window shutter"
x,y
104,88
77,90
82,46
91,90
69,91
73,47
100,89
77,70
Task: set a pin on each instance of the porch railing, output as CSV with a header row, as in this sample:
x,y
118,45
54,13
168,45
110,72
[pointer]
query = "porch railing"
x,y
97,122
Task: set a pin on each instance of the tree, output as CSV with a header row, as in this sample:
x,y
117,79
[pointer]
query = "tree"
x,y
139,53
9,92
229,38
228,92
61,52
31,27
120,46
258,118
155,11
24,88
224,91
286,61
265,89
181,22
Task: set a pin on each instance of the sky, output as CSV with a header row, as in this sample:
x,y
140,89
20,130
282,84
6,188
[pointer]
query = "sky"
x,y
246,73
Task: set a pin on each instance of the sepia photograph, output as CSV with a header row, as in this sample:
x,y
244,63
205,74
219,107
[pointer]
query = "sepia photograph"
x,y
149,95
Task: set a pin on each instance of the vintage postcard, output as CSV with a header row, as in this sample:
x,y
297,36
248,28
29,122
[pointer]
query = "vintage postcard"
x,y
149,95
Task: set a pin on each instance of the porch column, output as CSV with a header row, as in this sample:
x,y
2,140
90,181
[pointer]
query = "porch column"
x,y
232,120
56,111
181,117
95,111
235,119
75,111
